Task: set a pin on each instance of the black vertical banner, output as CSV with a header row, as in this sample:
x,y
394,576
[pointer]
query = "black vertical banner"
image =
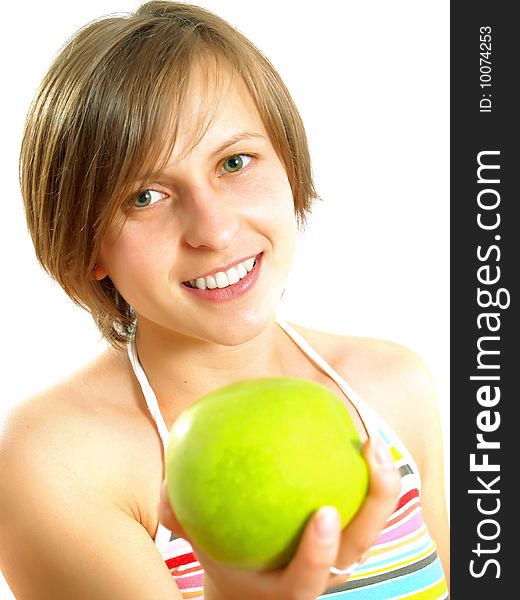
x,y
485,329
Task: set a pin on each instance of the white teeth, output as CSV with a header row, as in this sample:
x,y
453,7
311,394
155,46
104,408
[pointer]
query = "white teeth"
x,y
224,279
221,279
232,275
241,270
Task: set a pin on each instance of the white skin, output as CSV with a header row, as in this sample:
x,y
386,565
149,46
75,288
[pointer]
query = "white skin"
x,y
84,455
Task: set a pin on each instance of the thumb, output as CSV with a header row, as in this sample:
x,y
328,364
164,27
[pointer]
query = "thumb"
x,y
307,574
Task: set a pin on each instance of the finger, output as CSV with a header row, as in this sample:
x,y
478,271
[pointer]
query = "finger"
x,y
166,515
307,574
383,492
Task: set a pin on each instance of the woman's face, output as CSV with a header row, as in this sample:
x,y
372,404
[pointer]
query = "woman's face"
x,y
182,252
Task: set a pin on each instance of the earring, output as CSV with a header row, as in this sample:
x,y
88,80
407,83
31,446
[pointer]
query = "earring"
x,y
99,273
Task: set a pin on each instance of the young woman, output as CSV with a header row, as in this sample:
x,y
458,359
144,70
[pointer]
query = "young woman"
x,y
165,173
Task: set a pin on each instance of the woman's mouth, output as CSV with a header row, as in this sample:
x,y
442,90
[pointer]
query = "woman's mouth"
x,y
227,284
223,279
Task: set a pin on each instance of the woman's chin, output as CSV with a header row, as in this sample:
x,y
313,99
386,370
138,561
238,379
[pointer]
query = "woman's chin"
x,y
240,329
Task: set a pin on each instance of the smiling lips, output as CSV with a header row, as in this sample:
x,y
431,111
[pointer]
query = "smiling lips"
x,y
223,279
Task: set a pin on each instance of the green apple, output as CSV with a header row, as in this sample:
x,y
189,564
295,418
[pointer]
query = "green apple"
x,y
249,463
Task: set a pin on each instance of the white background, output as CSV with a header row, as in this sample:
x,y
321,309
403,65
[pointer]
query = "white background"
x,y
371,82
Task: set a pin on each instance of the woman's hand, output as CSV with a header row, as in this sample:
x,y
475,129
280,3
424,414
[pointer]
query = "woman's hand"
x,y
322,545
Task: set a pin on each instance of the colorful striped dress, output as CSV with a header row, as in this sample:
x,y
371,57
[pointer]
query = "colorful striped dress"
x,y
402,564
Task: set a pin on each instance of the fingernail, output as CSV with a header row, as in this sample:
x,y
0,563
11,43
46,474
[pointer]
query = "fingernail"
x,y
382,452
327,523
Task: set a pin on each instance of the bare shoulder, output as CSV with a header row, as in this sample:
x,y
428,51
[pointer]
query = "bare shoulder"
x,y
80,472
77,434
370,361
390,377
66,408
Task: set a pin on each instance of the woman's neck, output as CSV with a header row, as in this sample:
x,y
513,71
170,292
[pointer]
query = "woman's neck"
x,y
180,369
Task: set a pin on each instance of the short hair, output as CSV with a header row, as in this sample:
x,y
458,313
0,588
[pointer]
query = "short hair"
x,y
103,113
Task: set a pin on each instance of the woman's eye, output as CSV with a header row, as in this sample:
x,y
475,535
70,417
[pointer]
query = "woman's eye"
x,y
147,197
235,163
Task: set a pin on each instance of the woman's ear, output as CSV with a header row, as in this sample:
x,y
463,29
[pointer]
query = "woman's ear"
x,y
99,273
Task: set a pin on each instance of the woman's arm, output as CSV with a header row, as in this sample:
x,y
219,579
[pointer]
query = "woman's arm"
x,y
62,534
399,386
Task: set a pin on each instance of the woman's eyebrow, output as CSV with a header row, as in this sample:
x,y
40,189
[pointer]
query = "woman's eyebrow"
x,y
238,137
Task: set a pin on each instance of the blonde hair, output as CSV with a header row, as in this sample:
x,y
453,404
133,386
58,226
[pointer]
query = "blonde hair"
x,y
100,116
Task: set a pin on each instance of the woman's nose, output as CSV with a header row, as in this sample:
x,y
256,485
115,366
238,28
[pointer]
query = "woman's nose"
x,y
209,221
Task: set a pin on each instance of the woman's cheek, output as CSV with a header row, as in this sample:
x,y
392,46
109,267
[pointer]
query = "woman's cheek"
x,y
269,199
138,256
